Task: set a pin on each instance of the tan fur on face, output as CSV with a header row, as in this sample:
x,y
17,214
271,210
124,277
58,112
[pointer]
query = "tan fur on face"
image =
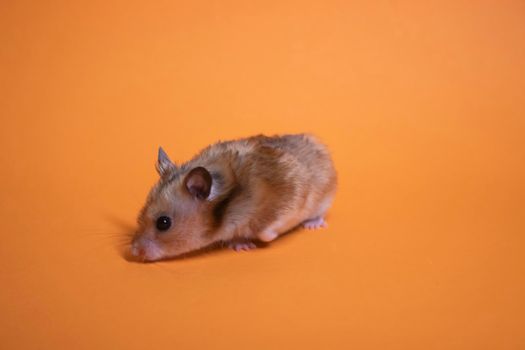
x,y
260,184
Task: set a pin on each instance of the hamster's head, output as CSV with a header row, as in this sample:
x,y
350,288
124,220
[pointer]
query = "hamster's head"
x,y
176,217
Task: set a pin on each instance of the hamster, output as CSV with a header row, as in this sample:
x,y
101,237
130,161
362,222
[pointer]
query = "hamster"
x,y
238,192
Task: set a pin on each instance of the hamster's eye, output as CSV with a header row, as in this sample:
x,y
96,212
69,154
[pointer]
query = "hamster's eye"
x,y
163,223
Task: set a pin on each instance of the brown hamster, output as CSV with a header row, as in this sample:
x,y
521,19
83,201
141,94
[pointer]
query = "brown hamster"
x,y
239,192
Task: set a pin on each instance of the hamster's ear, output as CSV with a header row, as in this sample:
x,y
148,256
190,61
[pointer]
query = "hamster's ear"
x,y
198,182
164,164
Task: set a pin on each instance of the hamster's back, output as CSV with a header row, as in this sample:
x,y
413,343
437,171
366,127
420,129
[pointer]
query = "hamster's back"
x,y
301,153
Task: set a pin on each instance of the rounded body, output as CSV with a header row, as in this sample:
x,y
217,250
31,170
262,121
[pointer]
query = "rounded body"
x,y
237,191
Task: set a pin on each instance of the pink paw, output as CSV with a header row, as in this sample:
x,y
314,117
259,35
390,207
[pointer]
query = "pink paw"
x,y
314,223
240,246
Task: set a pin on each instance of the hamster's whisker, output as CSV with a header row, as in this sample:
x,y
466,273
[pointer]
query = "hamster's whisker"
x,y
162,267
107,234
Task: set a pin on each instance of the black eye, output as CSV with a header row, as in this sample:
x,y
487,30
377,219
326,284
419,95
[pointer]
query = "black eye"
x,y
163,223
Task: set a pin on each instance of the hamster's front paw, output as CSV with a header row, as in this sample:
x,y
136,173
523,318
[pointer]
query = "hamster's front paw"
x,y
241,246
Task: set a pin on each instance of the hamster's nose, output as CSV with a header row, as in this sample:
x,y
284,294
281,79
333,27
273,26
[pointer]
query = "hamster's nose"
x,y
137,251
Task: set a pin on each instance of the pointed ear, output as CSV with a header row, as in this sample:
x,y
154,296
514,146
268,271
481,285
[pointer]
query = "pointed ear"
x,y
198,182
164,164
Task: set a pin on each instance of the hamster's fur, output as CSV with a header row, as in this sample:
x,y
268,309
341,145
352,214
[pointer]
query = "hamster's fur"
x,y
239,192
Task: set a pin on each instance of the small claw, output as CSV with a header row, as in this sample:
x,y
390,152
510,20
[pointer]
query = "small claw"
x,y
314,223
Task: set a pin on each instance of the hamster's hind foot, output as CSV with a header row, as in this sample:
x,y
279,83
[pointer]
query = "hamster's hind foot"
x,y
315,223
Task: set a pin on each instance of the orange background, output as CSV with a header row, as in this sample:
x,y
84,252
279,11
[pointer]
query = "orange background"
x,y
422,104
